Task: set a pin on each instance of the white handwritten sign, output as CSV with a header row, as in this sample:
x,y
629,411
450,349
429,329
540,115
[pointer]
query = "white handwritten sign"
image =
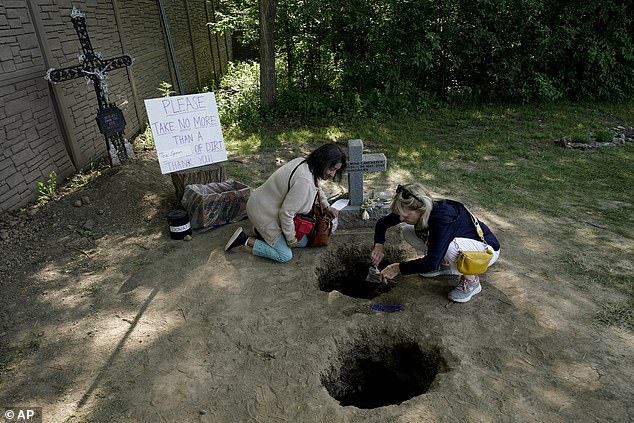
x,y
186,131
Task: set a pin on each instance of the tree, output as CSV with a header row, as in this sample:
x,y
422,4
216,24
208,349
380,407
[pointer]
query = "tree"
x,y
268,82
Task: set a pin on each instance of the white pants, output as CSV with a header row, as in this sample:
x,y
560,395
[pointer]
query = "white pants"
x,y
455,246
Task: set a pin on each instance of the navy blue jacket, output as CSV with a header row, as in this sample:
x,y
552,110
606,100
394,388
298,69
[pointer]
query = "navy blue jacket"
x,y
448,220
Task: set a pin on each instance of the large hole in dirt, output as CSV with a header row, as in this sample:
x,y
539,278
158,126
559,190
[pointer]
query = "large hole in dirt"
x,y
379,372
345,269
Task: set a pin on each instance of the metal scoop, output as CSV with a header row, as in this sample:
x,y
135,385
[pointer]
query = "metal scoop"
x,y
373,275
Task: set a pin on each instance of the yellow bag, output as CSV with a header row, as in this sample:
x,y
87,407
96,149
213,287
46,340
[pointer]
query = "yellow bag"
x,y
474,262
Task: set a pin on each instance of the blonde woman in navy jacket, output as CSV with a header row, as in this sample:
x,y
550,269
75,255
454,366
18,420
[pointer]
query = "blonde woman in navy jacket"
x,y
438,230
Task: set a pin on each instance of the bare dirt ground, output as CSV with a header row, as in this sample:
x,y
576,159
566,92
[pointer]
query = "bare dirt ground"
x,y
104,318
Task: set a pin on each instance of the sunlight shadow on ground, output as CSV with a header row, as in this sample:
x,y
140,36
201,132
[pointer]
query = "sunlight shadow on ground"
x,y
117,350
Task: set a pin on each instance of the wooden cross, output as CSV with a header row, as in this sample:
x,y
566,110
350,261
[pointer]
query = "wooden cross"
x,y
93,68
357,164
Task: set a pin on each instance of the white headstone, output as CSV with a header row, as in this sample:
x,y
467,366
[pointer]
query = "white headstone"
x,y
358,163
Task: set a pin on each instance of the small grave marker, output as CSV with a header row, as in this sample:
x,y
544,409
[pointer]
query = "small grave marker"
x,y
358,163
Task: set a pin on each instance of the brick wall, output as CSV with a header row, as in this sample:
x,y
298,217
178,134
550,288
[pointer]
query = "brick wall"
x,y
46,127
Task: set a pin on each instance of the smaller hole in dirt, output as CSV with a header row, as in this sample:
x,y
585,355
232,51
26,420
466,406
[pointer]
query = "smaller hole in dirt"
x,y
346,268
376,375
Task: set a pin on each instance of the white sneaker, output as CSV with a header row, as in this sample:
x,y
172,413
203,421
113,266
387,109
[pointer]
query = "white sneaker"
x,y
465,290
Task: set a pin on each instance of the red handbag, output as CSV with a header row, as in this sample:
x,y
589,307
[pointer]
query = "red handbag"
x,y
323,225
304,225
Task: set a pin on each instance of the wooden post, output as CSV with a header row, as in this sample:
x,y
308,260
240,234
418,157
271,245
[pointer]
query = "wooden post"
x,y
198,175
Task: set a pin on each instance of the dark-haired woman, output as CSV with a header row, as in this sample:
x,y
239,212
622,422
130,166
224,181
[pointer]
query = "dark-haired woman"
x,y
438,230
290,190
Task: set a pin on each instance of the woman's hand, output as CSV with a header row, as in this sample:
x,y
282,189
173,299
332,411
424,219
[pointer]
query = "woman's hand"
x,y
378,252
332,212
390,272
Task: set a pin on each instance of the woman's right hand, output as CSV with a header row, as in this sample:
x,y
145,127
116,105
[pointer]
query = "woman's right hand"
x,y
378,252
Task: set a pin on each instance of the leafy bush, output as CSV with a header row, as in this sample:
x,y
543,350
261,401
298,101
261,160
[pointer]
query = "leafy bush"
x,y
238,95
386,53
604,135
580,134
239,101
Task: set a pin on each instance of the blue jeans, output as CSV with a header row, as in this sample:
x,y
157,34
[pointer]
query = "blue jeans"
x,y
280,252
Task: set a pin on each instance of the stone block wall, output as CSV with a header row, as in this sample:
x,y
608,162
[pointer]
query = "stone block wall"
x,y
200,43
51,127
145,41
31,144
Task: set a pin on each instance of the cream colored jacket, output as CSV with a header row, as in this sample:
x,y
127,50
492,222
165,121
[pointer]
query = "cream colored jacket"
x,y
271,207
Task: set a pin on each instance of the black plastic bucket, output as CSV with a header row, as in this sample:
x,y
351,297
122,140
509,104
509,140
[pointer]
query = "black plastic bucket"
x,y
179,224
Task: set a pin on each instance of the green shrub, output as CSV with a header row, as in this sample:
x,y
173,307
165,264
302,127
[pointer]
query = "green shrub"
x,y
604,135
46,190
369,57
238,95
581,136
145,141
165,88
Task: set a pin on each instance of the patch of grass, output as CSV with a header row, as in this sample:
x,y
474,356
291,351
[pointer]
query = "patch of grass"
x,y
513,162
620,314
93,170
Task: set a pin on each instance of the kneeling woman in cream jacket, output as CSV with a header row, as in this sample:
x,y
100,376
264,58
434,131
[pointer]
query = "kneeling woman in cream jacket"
x,y
272,206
